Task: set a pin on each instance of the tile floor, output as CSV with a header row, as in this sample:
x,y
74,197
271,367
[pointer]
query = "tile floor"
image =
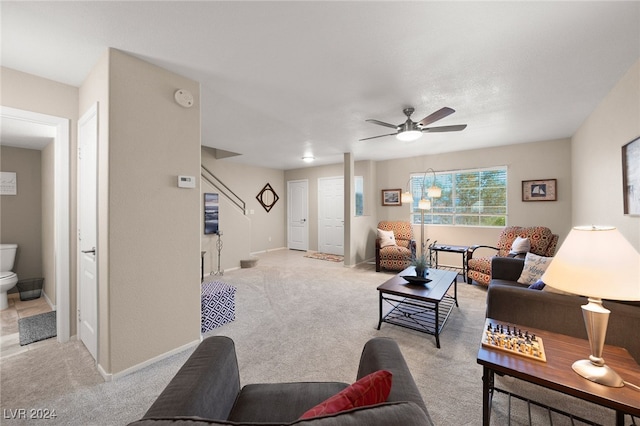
x,y
9,336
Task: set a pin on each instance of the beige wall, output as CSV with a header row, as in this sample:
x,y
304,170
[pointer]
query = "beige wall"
x,y
21,214
36,94
154,226
243,234
597,158
539,160
48,219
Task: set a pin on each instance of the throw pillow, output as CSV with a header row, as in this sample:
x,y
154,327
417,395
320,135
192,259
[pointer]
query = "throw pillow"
x,y
538,285
534,267
386,238
520,246
369,390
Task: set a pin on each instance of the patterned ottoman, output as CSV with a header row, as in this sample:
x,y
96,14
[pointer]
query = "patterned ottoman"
x,y
218,304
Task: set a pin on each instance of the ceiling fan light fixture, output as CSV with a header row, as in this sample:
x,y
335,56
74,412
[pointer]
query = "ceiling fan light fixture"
x,y
409,135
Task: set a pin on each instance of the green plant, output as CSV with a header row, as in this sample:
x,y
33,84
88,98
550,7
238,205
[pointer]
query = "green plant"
x,y
420,261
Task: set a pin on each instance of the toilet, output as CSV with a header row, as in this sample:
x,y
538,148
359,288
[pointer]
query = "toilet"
x,y
8,279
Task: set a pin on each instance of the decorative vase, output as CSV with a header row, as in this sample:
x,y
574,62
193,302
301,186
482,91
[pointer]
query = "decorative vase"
x,y
421,272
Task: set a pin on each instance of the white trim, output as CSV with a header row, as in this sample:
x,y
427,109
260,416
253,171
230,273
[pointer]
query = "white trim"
x,y
110,377
61,209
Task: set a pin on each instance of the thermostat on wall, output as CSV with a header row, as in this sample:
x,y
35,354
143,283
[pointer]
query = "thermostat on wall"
x,y
186,182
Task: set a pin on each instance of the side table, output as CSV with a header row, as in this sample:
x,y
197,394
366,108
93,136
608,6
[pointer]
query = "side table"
x,y
561,351
434,249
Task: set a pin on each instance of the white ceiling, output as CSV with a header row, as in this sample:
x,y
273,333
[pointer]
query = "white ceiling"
x,y
283,79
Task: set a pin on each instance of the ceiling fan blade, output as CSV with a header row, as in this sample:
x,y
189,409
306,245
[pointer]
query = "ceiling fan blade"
x,y
374,137
438,115
455,128
381,123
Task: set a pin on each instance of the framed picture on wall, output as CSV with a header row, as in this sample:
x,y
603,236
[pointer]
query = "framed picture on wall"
x,y
211,212
391,197
539,190
631,177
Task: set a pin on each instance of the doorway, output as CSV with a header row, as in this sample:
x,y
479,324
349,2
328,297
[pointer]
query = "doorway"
x,y
298,215
331,215
61,209
87,230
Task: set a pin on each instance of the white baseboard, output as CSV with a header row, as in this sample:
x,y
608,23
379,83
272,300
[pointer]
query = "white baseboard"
x,y
108,377
51,305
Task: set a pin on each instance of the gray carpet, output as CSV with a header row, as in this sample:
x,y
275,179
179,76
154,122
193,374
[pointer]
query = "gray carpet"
x,y
296,319
37,327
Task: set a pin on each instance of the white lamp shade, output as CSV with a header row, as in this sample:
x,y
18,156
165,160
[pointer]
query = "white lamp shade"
x,y
424,204
406,198
434,192
596,262
409,135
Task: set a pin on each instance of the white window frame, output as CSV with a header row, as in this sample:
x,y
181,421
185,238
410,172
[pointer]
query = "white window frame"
x,y
449,192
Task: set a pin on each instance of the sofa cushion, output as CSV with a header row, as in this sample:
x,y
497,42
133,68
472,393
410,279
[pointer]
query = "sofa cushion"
x,y
538,285
386,238
372,389
391,413
520,246
280,402
534,267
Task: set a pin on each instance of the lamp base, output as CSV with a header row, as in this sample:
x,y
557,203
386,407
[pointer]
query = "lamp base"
x,y
603,375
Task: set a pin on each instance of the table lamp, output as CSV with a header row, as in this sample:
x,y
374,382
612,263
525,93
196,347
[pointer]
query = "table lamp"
x,y
597,262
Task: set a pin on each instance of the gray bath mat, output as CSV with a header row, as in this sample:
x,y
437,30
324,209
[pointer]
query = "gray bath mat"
x,y
36,328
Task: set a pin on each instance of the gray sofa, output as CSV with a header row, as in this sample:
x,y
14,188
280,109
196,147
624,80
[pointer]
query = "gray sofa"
x,y
510,301
206,391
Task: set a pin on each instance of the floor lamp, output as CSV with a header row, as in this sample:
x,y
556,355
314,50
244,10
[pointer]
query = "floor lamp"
x,y
425,202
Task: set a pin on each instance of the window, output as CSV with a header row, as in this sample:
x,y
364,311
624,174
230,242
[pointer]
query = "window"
x,y
469,198
359,190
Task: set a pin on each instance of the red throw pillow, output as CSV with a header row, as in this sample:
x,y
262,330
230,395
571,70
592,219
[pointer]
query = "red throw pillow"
x,y
371,389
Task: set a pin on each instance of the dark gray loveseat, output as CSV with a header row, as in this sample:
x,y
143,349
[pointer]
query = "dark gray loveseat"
x,y
206,391
510,301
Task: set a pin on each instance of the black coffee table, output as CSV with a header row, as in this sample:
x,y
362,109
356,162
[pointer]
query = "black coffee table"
x,y
420,307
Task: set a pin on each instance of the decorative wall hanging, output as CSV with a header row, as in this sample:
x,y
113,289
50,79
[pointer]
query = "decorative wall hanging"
x,y
267,197
8,183
539,190
391,197
631,177
211,210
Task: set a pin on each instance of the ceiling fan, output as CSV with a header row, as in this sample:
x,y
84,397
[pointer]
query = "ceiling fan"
x,y
411,130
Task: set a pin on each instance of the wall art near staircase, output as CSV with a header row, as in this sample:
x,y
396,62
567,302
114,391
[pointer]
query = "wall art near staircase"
x,y
267,197
211,211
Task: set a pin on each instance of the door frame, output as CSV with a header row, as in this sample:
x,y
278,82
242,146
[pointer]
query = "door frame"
x,y
91,112
306,201
61,211
323,179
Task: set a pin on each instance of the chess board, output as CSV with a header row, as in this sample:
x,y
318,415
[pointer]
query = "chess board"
x,y
513,340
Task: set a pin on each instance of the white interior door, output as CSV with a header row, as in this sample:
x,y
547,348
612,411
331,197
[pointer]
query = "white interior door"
x,y
87,230
297,215
331,215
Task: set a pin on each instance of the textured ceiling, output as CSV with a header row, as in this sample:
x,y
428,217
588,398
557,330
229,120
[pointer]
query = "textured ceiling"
x,y
283,79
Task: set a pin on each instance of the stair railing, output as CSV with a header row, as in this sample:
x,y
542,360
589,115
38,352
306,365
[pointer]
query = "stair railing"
x,y
224,189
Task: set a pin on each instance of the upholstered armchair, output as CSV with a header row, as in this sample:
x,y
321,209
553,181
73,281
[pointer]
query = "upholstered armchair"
x,y
543,243
394,253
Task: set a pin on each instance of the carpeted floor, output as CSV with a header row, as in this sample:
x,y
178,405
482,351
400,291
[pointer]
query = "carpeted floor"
x,y
296,319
